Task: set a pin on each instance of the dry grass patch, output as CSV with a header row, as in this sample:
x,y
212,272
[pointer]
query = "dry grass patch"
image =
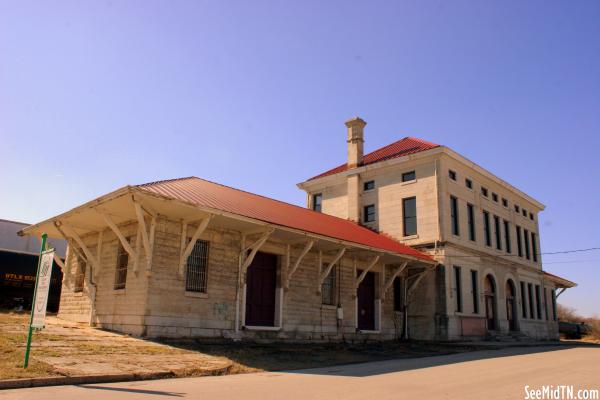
x,y
12,353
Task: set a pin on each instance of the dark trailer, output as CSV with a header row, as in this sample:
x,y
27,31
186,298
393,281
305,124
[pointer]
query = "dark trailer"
x,y
18,264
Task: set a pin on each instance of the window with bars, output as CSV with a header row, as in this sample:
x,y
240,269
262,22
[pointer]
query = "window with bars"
x,y
122,263
523,300
328,287
80,275
197,268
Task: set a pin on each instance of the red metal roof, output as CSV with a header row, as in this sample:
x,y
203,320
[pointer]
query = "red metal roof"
x,y
224,198
403,147
565,282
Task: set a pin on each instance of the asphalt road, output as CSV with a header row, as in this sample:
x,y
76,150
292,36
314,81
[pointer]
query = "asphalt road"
x,y
490,374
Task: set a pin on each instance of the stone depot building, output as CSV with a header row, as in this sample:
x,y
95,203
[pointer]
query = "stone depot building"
x,y
409,241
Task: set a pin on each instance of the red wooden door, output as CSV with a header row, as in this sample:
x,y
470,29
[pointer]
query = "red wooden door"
x,y
366,303
261,282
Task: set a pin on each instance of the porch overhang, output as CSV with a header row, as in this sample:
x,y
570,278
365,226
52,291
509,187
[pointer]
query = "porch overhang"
x,y
558,281
132,203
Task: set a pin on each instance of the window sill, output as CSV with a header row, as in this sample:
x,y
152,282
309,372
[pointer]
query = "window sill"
x,y
328,307
262,328
367,331
408,182
198,295
119,291
410,237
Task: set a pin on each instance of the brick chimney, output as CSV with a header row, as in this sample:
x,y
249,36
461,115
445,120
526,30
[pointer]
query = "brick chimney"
x,y
355,159
356,139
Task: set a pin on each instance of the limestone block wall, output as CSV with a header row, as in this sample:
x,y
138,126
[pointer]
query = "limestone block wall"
x,y
465,195
173,312
74,306
502,272
121,310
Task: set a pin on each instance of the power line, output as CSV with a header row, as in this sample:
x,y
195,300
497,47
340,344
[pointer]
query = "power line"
x,y
539,254
571,262
573,251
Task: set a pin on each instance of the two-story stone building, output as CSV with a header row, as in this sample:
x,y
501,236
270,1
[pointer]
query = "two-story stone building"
x,y
482,230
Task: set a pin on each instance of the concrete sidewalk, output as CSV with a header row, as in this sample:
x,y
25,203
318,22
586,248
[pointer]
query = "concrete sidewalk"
x,y
76,350
491,374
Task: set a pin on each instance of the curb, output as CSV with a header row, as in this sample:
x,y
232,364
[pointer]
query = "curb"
x,y
86,379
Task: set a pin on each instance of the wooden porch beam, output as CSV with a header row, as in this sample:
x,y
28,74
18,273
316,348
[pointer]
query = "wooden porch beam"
x,y
99,252
414,285
117,232
304,252
142,224
255,247
364,272
59,262
388,284
88,254
327,270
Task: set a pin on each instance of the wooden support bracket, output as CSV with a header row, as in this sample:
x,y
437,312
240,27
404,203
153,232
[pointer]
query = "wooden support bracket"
x,y
304,252
364,271
186,250
255,247
390,280
327,270
120,235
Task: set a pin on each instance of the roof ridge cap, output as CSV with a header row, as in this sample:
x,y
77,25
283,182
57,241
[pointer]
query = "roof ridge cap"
x,y
166,180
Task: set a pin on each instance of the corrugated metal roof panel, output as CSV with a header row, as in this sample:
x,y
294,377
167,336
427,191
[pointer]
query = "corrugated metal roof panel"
x,y
402,147
219,197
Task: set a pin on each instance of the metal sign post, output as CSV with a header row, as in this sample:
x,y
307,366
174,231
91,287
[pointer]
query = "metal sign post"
x,y
40,294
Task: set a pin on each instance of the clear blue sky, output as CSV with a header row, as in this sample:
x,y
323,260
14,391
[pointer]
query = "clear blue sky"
x,y
96,95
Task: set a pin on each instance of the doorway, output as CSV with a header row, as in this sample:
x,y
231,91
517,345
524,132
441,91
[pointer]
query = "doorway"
x,y
366,302
261,285
490,302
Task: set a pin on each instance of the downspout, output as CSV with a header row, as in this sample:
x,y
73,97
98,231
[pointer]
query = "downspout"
x,y
238,286
405,309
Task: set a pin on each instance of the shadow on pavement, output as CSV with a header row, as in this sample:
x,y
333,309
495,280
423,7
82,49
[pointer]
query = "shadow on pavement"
x,y
399,365
130,390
